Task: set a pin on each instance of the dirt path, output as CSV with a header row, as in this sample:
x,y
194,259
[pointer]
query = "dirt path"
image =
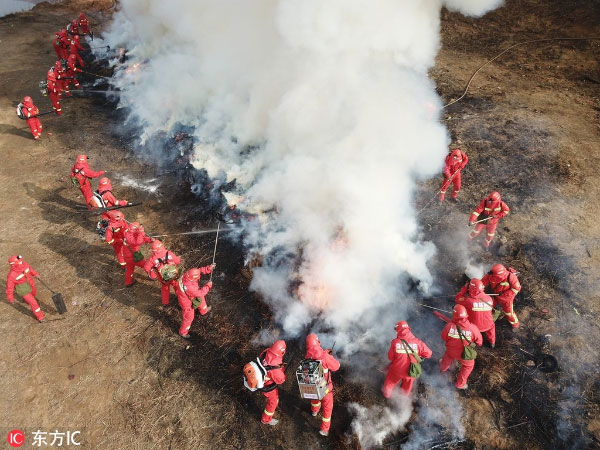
x,y
114,367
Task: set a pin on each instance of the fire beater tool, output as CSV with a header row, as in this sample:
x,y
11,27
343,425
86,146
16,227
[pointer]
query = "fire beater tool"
x,y
437,309
101,210
215,250
482,220
57,298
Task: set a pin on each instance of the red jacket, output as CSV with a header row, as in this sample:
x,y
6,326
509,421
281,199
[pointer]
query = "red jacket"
x,y
19,274
72,69
497,210
276,376
400,357
84,25
29,111
190,289
507,286
158,260
454,345
115,231
451,166
329,363
109,201
478,307
134,240
83,173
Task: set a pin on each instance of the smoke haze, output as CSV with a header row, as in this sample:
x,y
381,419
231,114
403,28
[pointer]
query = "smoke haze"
x,y
323,114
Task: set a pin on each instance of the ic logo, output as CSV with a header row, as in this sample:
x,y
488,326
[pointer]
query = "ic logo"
x,y
16,438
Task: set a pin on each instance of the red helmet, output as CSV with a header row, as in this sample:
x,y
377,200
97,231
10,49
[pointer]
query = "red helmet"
x,y
76,38
498,269
28,102
62,33
194,274
104,184
459,312
117,215
456,154
51,75
82,16
14,259
58,66
494,197
312,341
74,23
402,325
475,286
278,348
157,246
134,226
82,159
72,57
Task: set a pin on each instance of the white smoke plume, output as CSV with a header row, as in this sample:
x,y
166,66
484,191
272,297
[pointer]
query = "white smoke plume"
x,y
323,114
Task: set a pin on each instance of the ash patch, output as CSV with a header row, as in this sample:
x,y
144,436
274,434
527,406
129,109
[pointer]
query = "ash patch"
x,y
550,264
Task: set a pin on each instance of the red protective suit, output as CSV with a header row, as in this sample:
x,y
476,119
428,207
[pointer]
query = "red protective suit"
x,y
455,162
455,346
480,310
325,405
507,285
135,237
54,90
84,24
272,357
61,44
61,80
493,207
401,358
188,290
21,273
115,234
74,47
71,72
83,174
29,110
73,28
156,262
104,198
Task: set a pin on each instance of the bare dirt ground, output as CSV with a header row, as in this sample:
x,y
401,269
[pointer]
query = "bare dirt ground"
x,y
114,367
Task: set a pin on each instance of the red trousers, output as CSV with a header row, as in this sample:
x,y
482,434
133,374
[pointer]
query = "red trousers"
x,y
118,249
130,266
35,126
55,99
325,405
187,312
86,191
32,302
392,379
466,367
490,230
490,334
61,53
507,307
165,292
272,402
456,181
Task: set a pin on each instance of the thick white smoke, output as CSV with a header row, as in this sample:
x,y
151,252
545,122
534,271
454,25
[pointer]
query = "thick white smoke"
x,y
323,113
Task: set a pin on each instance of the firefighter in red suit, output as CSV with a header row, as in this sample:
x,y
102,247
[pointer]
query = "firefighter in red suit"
x,y
330,364
479,306
84,24
401,356
191,296
451,335
135,237
81,174
54,89
115,234
274,377
454,164
492,207
61,80
71,72
161,257
20,279
104,198
505,283
74,47
73,28
61,44
29,110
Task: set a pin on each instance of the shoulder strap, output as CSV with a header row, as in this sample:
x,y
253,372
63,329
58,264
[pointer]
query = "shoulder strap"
x,y
462,338
410,350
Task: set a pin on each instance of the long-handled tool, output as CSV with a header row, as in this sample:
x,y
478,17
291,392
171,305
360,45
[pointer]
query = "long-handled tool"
x,y
436,194
57,298
437,309
439,315
212,230
479,221
101,210
215,250
95,74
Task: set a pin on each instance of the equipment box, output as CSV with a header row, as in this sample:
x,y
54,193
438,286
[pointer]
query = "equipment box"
x,y
311,382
